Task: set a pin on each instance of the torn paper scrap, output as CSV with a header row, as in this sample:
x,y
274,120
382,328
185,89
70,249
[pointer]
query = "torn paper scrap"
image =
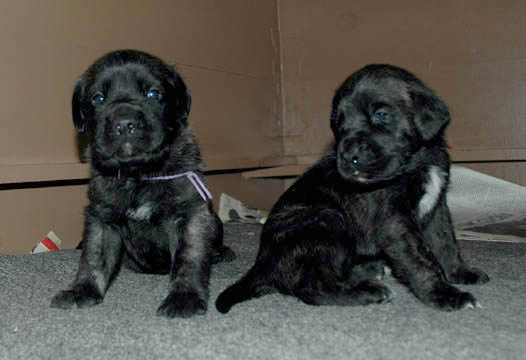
x,y
231,209
50,243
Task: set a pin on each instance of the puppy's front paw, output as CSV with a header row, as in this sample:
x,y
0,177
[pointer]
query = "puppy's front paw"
x,y
182,304
79,297
465,275
449,298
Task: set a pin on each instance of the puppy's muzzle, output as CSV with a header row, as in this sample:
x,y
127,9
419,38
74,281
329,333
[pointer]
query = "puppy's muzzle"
x,y
357,156
126,121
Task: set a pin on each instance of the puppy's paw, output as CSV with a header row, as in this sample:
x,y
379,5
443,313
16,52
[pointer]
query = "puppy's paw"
x,y
182,304
449,298
369,270
79,297
371,292
224,254
466,275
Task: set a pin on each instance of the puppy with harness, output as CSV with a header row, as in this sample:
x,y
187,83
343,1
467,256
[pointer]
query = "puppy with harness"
x,y
149,207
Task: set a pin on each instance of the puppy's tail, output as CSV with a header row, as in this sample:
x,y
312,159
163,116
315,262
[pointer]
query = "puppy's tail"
x,y
247,288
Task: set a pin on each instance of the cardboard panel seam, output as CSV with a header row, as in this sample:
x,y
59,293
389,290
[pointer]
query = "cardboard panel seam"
x,y
20,173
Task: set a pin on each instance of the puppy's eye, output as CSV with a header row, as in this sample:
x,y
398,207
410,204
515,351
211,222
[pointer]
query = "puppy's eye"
x,y
98,98
382,116
153,94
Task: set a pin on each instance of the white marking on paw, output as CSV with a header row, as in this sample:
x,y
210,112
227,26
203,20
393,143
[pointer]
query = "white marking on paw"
x,y
387,270
100,280
433,188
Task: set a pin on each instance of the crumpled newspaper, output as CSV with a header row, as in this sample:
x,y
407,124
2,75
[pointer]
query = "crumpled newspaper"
x,y
486,208
231,209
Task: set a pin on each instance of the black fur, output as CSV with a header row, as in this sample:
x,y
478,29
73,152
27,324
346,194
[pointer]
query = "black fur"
x,y
134,108
377,197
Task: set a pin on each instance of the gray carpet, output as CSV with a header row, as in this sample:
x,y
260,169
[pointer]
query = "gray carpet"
x,y
272,327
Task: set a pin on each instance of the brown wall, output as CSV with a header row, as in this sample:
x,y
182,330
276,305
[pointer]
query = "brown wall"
x,y
227,51
27,215
262,74
471,52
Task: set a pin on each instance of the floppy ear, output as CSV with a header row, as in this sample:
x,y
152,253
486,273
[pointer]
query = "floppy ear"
x,y
336,115
431,114
78,117
180,96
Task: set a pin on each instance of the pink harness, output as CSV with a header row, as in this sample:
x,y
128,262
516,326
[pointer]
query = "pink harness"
x,y
194,179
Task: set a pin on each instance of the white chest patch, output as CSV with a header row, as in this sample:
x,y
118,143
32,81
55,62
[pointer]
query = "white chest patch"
x,y
143,212
433,187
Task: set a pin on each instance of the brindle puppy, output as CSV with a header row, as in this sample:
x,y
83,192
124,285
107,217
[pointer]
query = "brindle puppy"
x,y
378,196
148,204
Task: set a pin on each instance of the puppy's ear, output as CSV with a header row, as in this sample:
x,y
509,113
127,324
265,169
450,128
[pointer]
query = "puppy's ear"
x,y
180,96
431,113
78,117
336,115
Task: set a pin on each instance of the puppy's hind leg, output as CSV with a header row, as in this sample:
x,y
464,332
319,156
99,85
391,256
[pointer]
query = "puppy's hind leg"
x,y
220,252
329,291
99,262
248,287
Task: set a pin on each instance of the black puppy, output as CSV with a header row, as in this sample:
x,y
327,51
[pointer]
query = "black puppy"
x,y
379,195
148,206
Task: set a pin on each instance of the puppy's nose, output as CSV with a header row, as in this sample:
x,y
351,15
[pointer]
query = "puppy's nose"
x,y
354,154
125,126
354,161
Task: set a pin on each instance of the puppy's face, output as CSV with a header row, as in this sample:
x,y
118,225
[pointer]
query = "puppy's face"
x,y
133,106
381,117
